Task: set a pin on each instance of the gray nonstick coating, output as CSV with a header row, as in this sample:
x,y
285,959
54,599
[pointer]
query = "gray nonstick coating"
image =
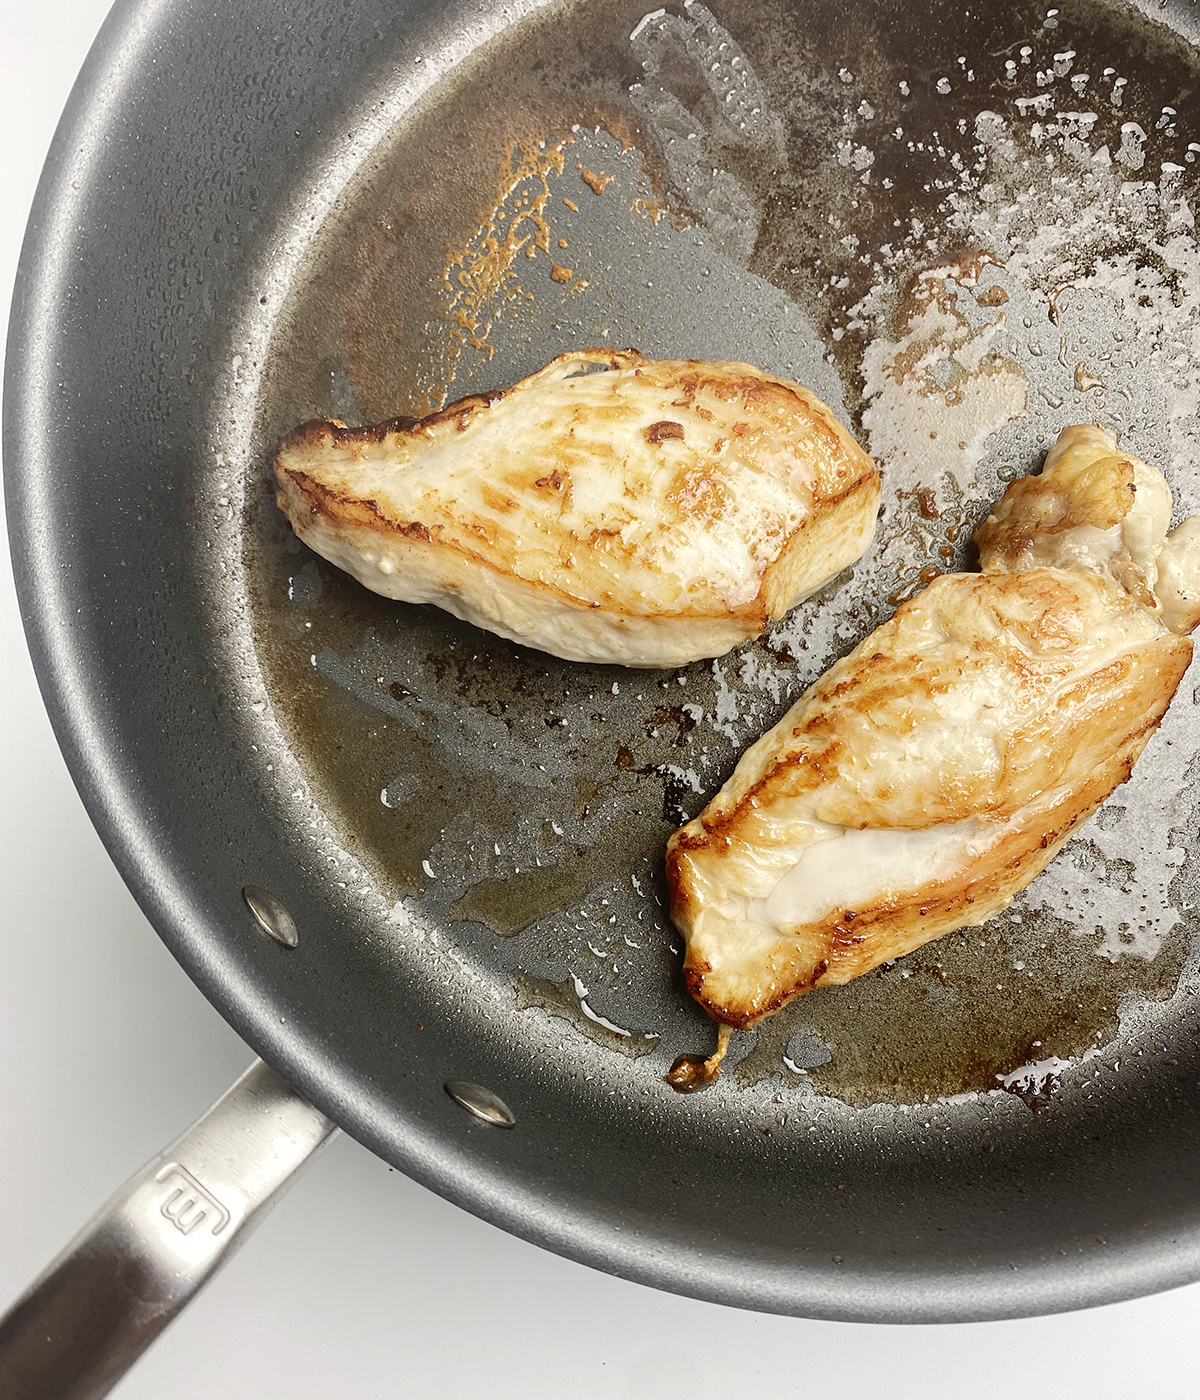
x,y
250,216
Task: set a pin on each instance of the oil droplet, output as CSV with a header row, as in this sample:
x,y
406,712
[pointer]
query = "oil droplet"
x,y
1084,381
565,1000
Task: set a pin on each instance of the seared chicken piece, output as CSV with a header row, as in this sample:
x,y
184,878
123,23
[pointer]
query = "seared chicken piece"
x,y
608,508
932,773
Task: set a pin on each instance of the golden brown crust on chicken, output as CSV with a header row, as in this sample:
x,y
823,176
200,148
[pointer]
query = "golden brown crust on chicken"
x,y
651,513
1014,701
933,772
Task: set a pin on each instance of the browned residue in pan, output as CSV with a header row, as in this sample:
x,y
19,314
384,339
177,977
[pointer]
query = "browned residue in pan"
x,y
596,183
692,1072
477,271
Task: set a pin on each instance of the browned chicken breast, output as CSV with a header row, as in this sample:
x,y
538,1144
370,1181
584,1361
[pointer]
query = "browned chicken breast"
x,y
932,773
608,508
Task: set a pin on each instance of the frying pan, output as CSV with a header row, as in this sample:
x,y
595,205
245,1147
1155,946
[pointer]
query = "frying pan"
x,y
232,237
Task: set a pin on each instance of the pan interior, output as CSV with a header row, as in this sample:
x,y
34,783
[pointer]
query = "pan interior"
x,y
962,249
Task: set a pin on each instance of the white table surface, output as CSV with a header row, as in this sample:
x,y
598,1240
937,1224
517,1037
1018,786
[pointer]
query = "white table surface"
x,y
361,1283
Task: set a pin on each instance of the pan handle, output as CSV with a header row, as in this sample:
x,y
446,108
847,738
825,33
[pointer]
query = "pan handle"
x,y
76,1331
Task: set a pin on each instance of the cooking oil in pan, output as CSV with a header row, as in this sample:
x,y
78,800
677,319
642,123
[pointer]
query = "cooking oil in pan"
x,y
963,249
569,1000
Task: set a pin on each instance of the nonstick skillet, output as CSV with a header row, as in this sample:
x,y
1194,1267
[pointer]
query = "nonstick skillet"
x,y
310,214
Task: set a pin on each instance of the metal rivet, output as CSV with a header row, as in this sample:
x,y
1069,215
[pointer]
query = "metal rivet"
x,y
481,1102
272,917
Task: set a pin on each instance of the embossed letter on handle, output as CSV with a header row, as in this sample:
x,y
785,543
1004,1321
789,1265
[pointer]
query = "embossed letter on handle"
x,y
80,1326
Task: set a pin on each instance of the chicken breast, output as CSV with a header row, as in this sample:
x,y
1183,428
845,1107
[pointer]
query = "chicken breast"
x,y
932,773
608,508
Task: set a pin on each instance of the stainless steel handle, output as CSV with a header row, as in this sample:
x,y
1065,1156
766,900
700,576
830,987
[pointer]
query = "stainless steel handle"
x,y
76,1331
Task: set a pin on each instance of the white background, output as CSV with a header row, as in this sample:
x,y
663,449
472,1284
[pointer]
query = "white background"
x,y
361,1283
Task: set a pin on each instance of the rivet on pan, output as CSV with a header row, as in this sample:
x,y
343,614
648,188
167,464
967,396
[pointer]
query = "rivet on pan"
x,y
272,917
481,1102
